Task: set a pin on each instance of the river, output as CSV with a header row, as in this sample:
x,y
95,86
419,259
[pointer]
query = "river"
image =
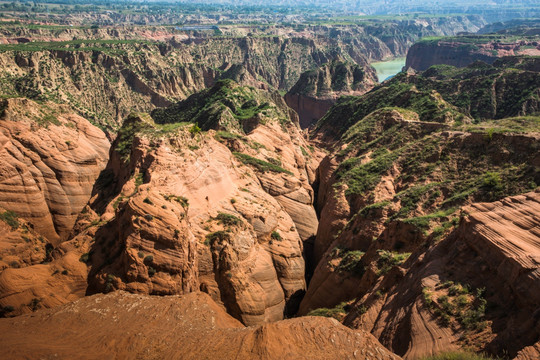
x,y
387,69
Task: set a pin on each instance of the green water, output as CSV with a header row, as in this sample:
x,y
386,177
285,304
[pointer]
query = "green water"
x,y
386,69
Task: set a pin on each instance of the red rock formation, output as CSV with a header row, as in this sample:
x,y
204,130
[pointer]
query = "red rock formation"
x,y
122,325
317,90
458,53
309,109
178,212
496,247
50,161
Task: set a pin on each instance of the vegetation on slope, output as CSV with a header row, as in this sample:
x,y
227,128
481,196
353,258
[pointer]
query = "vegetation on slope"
x,y
225,106
446,94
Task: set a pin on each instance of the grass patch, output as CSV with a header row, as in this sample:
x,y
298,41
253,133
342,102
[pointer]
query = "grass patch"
x,y
337,312
365,212
217,236
389,259
423,222
228,219
261,165
225,135
10,218
351,262
276,236
461,355
364,177
184,201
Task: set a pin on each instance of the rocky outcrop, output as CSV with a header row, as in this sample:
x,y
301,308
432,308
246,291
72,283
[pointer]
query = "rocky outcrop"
x,y
317,90
494,249
180,209
465,50
390,253
447,95
50,161
194,326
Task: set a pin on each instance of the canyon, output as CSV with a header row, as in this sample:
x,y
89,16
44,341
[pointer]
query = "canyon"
x,y
160,188
139,69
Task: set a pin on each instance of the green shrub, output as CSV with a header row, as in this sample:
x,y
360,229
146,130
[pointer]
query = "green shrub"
x,y
492,180
427,296
260,165
84,258
389,259
276,236
217,236
458,356
337,312
195,129
351,263
228,219
10,218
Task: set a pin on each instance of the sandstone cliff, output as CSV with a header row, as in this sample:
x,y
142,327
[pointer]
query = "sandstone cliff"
x,y
225,211
317,90
464,50
50,161
494,250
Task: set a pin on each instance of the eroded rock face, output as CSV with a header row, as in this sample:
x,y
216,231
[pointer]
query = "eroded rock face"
x,y
20,245
496,249
317,90
225,212
50,161
195,327
61,278
463,51
529,353
148,67
383,214
34,274
181,230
